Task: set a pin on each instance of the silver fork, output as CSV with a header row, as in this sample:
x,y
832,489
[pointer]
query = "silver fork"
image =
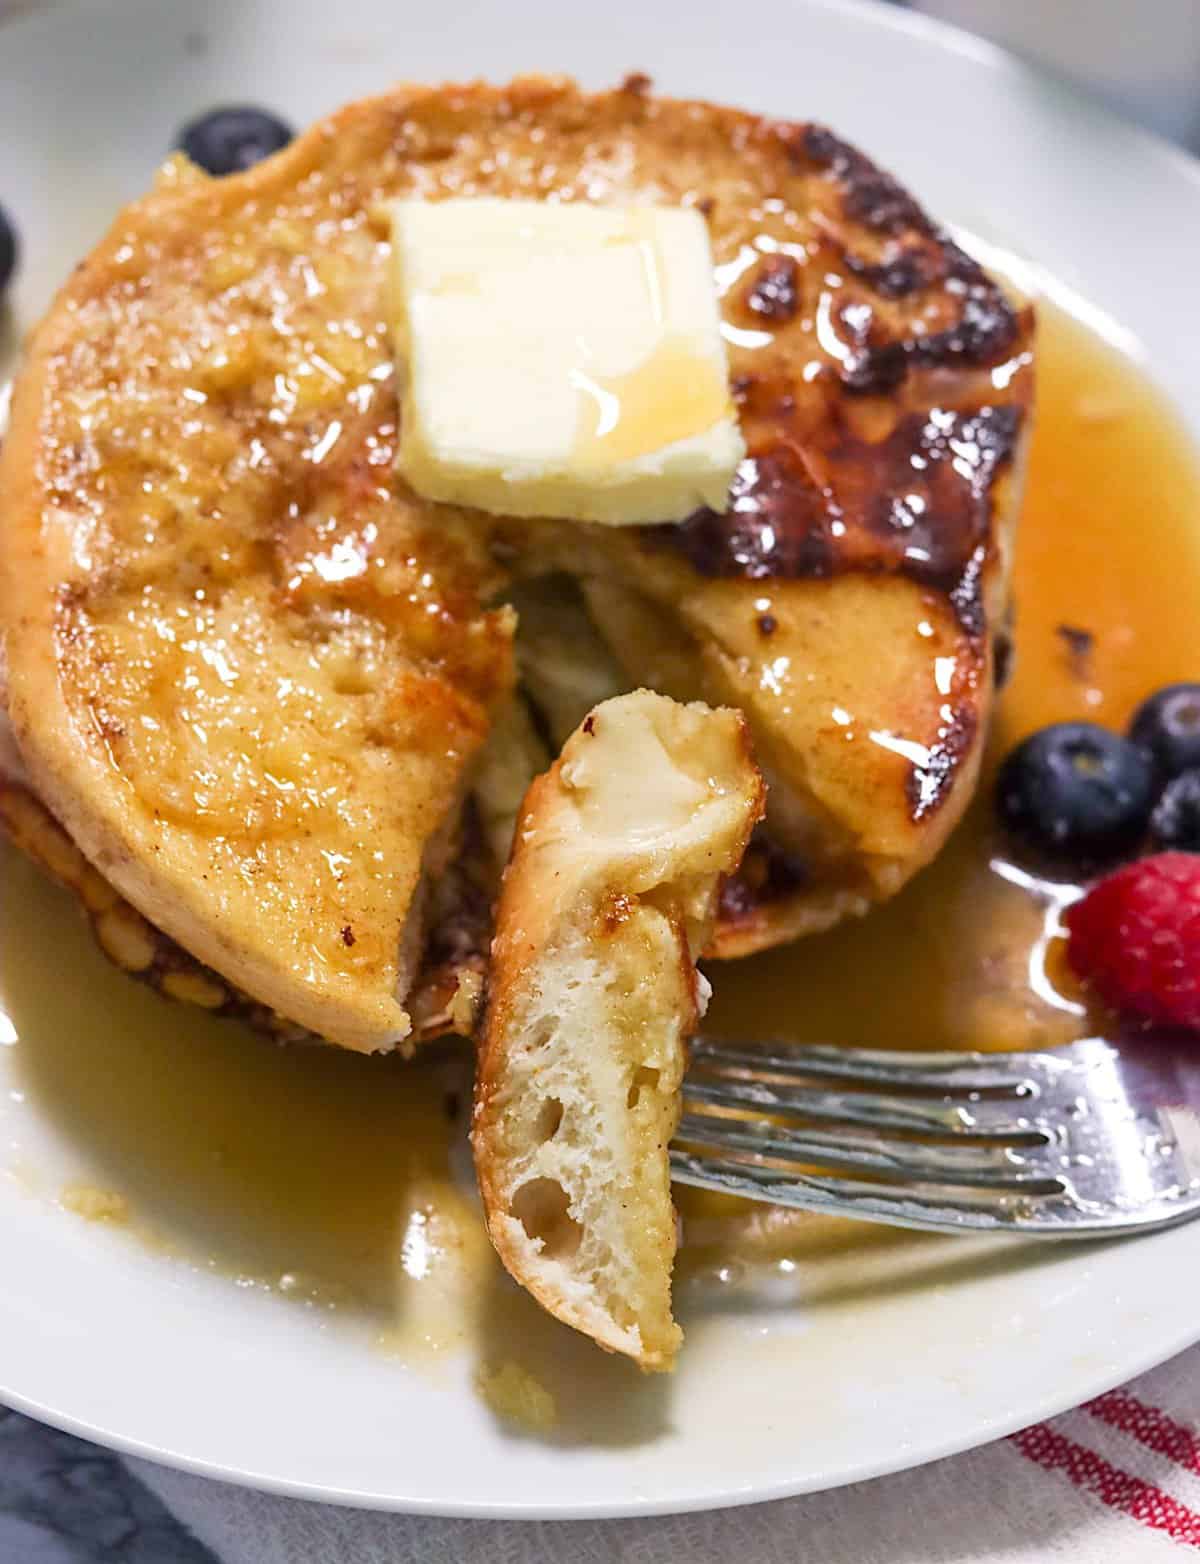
x,y
1095,1138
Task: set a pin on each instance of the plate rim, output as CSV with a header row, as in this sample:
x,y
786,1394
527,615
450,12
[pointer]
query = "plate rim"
x,y
30,15
988,1431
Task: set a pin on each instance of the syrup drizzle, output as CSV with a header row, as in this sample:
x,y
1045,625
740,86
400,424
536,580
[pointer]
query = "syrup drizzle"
x,y
340,1182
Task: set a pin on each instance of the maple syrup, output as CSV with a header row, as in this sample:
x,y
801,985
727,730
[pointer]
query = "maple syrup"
x,y
676,394
968,956
342,1182
1106,586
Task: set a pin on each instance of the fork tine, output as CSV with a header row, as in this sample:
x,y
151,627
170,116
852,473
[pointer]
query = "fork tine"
x,y
1096,1138
1029,1216
856,1198
989,1167
978,1121
934,1072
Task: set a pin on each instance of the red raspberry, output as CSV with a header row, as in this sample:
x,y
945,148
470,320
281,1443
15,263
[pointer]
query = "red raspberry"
x,y
1135,937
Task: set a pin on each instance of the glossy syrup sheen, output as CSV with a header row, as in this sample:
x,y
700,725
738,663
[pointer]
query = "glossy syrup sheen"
x,y
673,395
1109,537
342,1182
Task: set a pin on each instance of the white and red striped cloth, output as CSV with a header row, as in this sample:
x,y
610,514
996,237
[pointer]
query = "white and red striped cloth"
x,y
1114,1482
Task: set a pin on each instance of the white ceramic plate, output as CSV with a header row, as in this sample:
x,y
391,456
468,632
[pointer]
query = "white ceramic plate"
x,y
863,1364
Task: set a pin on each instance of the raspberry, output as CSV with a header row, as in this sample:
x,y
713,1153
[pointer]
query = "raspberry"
x,y
1135,937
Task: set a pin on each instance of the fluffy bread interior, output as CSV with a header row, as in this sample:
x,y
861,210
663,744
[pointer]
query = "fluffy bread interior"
x,y
608,899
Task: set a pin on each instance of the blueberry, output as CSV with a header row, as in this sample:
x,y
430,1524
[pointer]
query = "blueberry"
x,y
226,141
8,250
1077,791
1167,727
1176,818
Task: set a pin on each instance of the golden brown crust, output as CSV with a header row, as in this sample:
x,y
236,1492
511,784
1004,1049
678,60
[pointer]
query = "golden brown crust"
x,y
208,409
446,996
847,599
609,896
246,678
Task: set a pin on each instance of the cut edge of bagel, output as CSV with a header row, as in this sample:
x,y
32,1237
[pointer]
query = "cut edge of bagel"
x,y
608,899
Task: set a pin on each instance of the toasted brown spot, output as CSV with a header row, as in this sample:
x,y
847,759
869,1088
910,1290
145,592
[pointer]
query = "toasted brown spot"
x,y
777,524
928,785
917,502
869,196
986,329
775,293
768,873
740,387
903,273
875,443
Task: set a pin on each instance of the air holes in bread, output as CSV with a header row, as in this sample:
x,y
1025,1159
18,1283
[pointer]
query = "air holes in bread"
x,y
644,1079
549,1118
541,1207
543,1033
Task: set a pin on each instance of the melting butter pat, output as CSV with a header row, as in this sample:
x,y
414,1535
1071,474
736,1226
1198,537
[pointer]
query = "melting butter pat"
x,y
561,360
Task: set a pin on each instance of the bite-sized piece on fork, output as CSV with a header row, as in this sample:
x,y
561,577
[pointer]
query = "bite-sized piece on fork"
x,y
609,897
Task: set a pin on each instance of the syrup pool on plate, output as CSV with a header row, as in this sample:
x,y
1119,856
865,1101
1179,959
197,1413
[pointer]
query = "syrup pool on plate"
x,y
1106,586
342,1182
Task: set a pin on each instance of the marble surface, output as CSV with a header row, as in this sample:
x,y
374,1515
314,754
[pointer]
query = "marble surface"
x,y
63,1501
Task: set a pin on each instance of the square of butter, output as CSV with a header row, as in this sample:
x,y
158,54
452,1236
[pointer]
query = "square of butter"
x,y
561,360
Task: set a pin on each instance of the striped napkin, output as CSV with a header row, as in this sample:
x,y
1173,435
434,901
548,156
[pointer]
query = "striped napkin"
x,y
1115,1482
